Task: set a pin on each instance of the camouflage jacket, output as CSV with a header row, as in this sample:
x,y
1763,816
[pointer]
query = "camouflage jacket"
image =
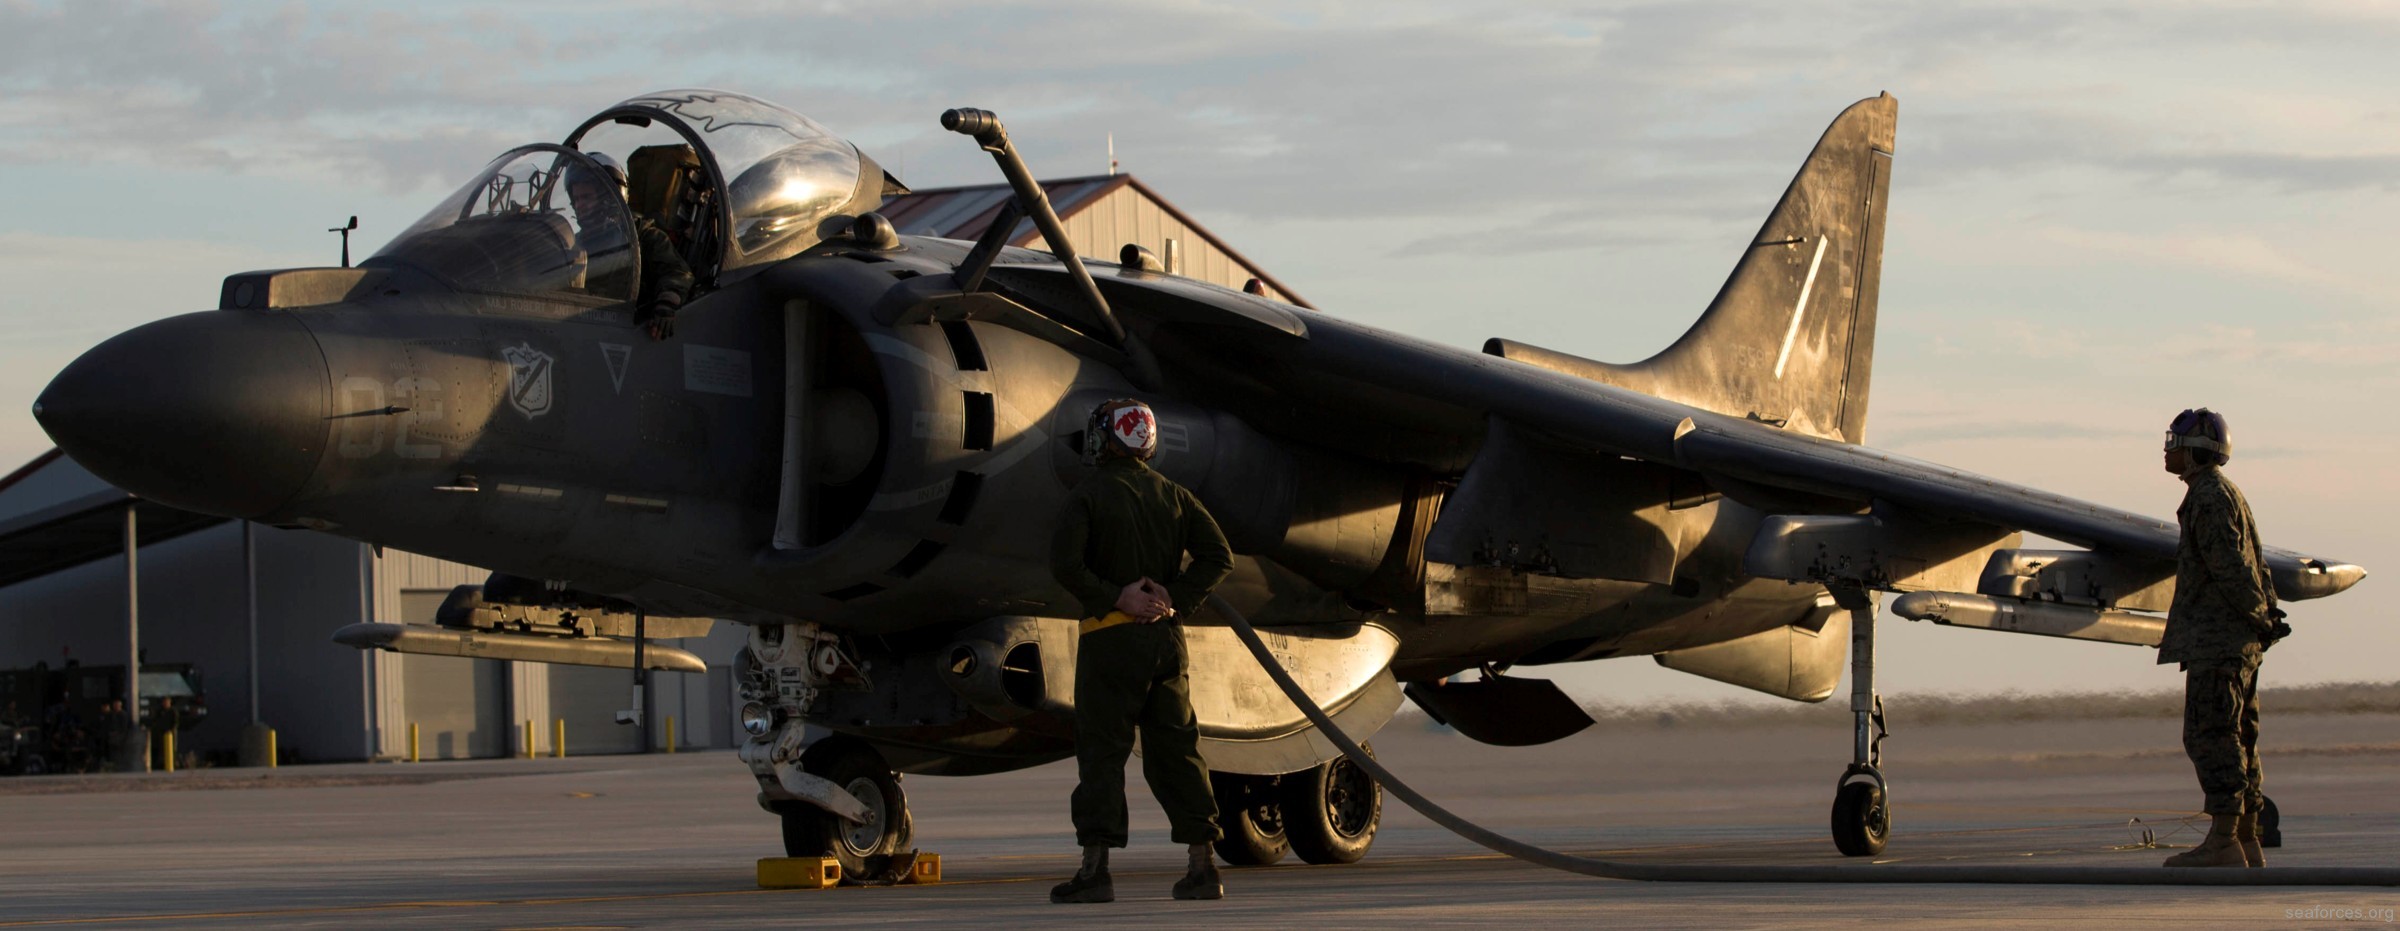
x,y
2222,590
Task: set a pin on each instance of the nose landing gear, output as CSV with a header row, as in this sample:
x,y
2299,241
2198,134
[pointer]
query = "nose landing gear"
x,y
836,796
862,846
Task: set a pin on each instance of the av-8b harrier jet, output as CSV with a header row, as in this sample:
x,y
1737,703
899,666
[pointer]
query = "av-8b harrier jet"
x,y
856,441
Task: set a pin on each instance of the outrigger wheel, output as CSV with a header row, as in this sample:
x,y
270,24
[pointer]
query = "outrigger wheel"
x,y
809,831
1250,809
1862,813
1330,812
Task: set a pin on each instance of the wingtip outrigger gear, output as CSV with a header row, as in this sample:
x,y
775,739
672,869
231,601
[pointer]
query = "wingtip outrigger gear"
x,y
1609,869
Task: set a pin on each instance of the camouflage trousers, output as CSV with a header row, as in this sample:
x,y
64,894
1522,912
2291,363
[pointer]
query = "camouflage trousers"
x,y
2220,732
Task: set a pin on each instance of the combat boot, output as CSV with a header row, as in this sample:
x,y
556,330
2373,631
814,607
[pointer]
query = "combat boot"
x,y
2245,832
1089,884
2219,848
1200,881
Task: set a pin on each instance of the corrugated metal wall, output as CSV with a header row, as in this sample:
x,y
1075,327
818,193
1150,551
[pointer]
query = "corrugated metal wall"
x,y
1100,214
1125,216
537,696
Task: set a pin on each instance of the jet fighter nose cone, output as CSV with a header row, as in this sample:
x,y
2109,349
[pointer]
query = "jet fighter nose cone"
x,y
221,412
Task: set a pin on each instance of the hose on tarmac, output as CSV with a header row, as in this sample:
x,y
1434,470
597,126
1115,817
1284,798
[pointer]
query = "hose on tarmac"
x,y
1652,872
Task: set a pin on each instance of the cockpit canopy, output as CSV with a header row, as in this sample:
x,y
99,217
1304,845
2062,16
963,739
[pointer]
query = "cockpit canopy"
x,y
734,181
539,220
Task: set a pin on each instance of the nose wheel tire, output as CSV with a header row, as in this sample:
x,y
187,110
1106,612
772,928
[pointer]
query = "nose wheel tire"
x,y
809,831
1330,812
1250,809
1862,819
2270,824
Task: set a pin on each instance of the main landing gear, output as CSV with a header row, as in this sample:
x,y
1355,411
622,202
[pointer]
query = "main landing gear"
x,y
836,796
1862,809
1327,814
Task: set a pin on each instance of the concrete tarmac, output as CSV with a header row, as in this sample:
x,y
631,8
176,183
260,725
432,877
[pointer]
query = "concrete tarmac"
x,y
671,840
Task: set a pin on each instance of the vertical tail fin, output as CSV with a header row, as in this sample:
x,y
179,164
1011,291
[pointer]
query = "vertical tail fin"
x,y
1790,337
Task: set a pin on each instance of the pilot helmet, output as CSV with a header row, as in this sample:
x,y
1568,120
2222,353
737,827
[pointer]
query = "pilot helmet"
x,y
1121,427
578,173
2203,431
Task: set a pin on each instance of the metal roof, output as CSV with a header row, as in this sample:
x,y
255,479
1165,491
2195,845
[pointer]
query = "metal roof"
x,y
965,212
85,529
26,471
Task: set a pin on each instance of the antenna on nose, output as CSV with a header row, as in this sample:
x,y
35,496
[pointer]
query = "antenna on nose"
x,y
345,231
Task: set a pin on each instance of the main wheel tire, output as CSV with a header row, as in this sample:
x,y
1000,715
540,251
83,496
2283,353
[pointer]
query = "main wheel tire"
x,y
1861,819
809,831
2270,825
1250,810
1330,813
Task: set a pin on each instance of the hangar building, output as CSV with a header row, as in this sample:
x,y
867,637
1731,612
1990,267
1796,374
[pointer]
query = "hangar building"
x,y
1101,214
64,596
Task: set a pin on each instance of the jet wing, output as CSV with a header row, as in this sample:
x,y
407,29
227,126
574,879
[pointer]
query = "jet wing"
x,y
1768,456
1612,420
1619,421
1337,366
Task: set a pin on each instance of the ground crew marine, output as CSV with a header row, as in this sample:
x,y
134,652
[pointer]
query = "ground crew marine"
x,y
1119,549
2220,623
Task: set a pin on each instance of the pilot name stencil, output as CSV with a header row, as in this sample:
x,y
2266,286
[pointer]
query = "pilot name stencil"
x,y
528,379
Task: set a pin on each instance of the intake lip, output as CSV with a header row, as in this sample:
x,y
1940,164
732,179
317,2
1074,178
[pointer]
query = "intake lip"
x,y
220,412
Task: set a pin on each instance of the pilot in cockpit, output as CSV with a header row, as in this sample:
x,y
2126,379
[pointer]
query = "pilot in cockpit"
x,y
666,275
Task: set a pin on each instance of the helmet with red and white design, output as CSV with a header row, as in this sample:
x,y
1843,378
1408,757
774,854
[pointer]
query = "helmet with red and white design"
x,y
1122,427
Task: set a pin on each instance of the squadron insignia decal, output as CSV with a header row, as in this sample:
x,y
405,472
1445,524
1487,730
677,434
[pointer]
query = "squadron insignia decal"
x,y
528,379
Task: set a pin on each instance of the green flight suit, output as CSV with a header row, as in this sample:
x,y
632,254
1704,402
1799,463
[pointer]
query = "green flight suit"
x,y
2222,595
1127,522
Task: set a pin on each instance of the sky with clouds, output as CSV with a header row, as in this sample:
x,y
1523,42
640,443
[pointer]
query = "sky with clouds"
x,y
2102,213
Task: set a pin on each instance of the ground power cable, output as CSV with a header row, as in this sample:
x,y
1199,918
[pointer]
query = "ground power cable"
x,y
1720,873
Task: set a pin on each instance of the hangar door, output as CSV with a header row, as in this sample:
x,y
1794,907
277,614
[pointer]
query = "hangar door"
x,y
459,705
588,699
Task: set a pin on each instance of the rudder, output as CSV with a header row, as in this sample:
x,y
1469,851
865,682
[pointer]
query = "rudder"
x,y
1790,337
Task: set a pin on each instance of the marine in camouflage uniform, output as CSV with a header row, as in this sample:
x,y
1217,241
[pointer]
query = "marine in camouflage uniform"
x,y
2217,628
1119,549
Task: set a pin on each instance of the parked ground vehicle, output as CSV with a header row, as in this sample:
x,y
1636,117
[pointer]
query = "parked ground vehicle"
x,y
21,751
57,720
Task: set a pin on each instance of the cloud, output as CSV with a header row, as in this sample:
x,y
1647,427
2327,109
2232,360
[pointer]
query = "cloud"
x,y
68,292
1586,114
2336,346
369,95
2239,253
1899,439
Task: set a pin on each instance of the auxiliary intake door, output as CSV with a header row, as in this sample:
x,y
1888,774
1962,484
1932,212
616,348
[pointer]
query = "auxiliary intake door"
x,y
1013,667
